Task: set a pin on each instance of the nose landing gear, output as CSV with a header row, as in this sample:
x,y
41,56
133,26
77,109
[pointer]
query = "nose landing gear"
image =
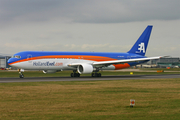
x,y
20,73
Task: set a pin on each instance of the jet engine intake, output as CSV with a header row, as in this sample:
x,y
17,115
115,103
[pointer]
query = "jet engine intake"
x,y
85,68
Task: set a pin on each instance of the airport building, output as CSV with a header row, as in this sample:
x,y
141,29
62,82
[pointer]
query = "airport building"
x,y
161,63
166,62
3,62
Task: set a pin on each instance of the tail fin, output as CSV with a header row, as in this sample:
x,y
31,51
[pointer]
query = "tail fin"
x,y
141,44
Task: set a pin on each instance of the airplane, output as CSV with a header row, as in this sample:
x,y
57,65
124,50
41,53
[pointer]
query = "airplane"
x,y
83,62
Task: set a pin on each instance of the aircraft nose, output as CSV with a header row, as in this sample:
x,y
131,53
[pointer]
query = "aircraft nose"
x,y
10,61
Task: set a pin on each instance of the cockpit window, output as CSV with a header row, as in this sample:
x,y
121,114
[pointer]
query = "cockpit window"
x,y
16,56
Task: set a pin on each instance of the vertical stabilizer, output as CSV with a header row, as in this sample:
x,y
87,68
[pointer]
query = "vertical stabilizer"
x,y
141,44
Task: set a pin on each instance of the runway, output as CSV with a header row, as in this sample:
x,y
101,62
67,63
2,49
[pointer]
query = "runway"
x,y
124,77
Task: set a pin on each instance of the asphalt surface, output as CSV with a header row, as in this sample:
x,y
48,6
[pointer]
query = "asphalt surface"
x,y
127,77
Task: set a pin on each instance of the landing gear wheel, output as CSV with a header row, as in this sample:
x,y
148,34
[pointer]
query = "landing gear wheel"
x,y
75,75
72,75
21,73
78,75
21,76
92,75
96,74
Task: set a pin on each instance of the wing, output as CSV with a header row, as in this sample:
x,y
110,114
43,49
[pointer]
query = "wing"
x,y
107,63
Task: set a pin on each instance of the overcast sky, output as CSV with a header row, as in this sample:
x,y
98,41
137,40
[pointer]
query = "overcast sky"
x,y
89,25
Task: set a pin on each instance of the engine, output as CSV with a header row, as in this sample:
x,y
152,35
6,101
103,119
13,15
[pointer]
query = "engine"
x,y
85,68
49,71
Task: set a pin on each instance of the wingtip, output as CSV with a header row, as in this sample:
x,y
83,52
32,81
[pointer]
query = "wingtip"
x,y
165,56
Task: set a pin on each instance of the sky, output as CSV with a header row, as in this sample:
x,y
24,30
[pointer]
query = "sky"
x,y
88,25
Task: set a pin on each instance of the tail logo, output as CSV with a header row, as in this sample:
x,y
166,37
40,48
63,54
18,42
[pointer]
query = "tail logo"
x,y
141,48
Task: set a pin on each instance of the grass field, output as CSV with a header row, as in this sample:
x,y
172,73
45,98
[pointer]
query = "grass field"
x,y
155,99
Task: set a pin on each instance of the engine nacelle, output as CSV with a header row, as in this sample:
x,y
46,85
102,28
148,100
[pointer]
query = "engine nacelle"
x,y
85,68
49,71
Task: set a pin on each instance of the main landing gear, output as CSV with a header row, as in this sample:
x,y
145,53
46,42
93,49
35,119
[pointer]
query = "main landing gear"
x,y
96,74
75,74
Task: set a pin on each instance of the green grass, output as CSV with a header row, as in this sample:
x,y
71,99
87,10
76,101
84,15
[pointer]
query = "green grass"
x,y
155,99
67,73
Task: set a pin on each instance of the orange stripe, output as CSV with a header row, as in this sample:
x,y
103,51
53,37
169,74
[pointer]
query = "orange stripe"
x,y
121,66
84,57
